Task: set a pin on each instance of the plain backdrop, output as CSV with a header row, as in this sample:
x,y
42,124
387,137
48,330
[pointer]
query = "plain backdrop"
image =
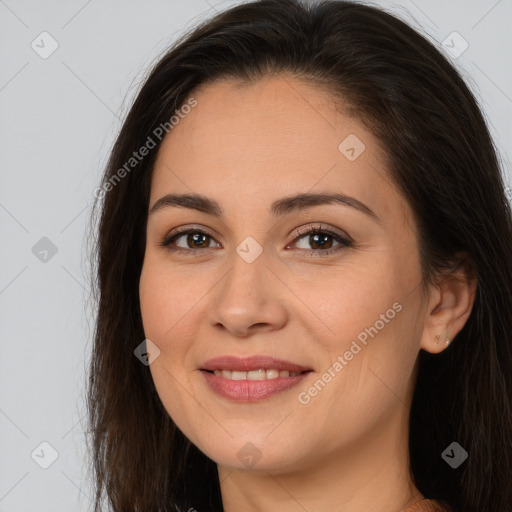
x,y
68,73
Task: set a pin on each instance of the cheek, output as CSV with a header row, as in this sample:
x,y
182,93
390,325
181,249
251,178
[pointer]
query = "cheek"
x,y
353,299
164,308
369,319
166,298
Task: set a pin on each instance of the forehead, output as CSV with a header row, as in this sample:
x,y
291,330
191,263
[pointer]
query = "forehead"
x,y
273,119
271,138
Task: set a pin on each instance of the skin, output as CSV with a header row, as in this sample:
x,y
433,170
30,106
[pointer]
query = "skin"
x,y
246,146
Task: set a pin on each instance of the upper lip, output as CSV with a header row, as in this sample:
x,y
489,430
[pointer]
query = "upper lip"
x,y
246,364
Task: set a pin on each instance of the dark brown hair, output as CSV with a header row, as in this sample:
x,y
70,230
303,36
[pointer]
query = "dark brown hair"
x,y
441,157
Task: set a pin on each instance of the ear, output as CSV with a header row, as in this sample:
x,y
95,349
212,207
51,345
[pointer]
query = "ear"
x,y
449,305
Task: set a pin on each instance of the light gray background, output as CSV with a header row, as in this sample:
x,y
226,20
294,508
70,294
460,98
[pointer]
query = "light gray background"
x,y
59,117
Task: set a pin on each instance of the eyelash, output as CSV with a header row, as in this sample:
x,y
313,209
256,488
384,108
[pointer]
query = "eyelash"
x,y
345,242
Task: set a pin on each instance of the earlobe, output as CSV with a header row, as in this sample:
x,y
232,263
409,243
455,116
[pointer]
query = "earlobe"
x,y
449,306
438,337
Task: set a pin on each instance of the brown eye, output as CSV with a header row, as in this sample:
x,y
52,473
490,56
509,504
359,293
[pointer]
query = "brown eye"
x,y
321,241
200,240
192,239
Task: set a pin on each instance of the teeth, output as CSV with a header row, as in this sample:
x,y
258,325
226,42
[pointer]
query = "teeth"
x,y
260,374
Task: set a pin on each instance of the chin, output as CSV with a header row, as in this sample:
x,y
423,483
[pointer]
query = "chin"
x,y
254,454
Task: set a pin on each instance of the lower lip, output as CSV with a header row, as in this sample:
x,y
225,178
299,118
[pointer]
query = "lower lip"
x,y
251,390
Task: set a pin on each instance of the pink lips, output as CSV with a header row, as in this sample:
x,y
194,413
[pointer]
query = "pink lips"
x,y
250,390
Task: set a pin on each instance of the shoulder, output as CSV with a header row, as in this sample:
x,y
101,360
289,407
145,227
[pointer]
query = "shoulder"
x,y
429,506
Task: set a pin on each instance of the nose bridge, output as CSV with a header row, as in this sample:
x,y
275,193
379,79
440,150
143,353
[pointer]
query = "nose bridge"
x,y
246,296
248,272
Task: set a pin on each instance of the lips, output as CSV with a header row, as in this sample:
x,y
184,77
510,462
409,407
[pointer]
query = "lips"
x,y
246,364
251,391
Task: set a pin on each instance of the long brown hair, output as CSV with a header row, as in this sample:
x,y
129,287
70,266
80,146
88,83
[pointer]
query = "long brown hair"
x,y
439,153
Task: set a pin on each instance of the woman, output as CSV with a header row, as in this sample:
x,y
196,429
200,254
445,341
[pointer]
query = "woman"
x,y
304,276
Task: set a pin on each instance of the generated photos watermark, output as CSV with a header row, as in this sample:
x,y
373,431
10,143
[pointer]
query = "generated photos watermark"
x,y
137,156
341,361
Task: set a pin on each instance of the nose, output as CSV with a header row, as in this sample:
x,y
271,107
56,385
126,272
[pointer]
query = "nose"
x,y
249,299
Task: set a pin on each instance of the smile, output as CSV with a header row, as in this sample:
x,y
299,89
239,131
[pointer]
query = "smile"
x,y
251,386
260,374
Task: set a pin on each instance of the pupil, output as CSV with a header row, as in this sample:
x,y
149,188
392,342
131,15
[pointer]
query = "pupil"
x,y
195,238
319,236
319,240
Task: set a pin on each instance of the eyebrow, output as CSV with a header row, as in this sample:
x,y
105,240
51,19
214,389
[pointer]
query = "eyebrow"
x,y
279,207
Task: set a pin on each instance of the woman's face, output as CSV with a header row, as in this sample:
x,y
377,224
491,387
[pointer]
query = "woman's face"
x,y
250,281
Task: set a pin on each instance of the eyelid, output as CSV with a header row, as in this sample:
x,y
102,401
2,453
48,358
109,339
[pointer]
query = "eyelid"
x,y
309,228
343,239
183,230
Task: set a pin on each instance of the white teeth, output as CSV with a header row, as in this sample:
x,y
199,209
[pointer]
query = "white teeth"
x,y
260,374
256,375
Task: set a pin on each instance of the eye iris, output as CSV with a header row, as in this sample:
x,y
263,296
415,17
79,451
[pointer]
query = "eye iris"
x,y
322,237
193,238
199,240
